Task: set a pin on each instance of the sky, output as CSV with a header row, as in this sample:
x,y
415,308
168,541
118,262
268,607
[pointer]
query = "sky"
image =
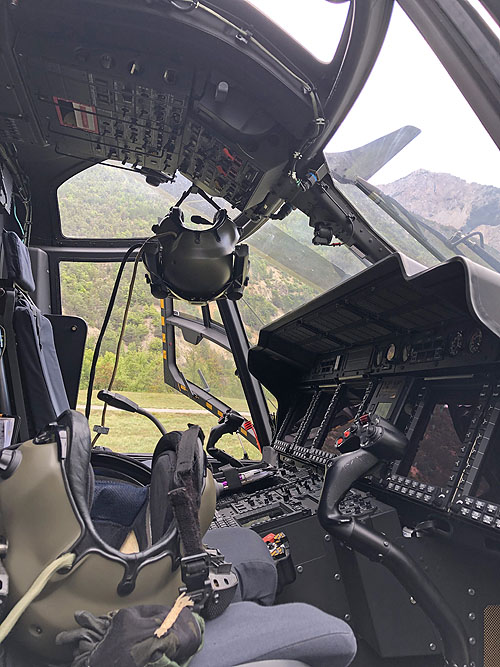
x,y
408,86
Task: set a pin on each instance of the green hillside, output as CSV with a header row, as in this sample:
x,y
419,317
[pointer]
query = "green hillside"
x,y
286,271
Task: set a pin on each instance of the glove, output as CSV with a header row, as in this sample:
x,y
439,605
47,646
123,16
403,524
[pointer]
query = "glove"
x,y
126,638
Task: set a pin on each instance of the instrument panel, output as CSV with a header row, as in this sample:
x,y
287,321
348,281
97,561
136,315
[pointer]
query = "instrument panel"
x,y
419,350
453,462
452,345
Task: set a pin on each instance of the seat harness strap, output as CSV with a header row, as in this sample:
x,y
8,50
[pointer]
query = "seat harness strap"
x,y
185,501
208,579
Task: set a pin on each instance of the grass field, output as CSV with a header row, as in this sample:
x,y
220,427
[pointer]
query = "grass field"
x,y
129,432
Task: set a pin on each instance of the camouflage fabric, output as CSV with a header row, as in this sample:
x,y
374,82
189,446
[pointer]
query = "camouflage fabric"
x,y
125,638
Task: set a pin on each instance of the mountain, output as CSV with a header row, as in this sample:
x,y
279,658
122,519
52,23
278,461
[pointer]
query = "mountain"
x,y
451,202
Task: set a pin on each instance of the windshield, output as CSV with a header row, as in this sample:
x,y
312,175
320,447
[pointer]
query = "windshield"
x,y
425,175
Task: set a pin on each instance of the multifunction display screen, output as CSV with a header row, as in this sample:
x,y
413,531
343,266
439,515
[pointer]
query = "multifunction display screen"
x,y
442,439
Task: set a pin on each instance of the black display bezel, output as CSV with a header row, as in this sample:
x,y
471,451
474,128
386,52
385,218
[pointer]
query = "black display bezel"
x,y
465,503
282,445
314,454
398,480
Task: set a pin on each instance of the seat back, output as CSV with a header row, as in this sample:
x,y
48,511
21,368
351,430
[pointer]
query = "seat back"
x,y
39,389
43,385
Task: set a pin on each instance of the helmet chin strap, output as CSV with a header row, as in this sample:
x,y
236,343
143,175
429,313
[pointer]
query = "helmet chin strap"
x,y
62,562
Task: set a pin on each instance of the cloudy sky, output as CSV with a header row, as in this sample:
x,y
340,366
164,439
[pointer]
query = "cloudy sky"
x,y
408,86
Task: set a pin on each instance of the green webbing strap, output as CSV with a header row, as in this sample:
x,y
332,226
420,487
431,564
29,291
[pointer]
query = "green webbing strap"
x,y
64,561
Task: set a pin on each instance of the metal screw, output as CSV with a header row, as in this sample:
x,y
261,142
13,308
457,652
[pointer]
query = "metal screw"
x,y
8,87
347,617
412,600
300,569
471,591
327,538
386,544
472,616
432,646
472,641
337,576
74,328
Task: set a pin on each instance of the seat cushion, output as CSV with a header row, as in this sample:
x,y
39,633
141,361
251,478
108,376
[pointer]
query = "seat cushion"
x,y
115,507
252,561
247,632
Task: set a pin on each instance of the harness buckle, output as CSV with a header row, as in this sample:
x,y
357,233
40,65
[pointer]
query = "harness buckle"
x,y
195,575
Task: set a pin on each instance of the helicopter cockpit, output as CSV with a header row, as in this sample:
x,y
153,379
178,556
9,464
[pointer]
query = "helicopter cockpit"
x,y
182,247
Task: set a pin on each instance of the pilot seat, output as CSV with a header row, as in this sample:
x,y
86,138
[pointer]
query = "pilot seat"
x,y
251,631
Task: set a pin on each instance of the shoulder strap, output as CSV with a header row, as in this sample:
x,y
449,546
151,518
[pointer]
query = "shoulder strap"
x,y
185,498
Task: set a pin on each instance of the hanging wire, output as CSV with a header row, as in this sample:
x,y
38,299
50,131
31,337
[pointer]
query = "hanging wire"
x,y
105,323
16,218
120,338
245,453
122,329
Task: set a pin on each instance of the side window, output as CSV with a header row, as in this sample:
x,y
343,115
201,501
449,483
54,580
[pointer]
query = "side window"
x,y
140,372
